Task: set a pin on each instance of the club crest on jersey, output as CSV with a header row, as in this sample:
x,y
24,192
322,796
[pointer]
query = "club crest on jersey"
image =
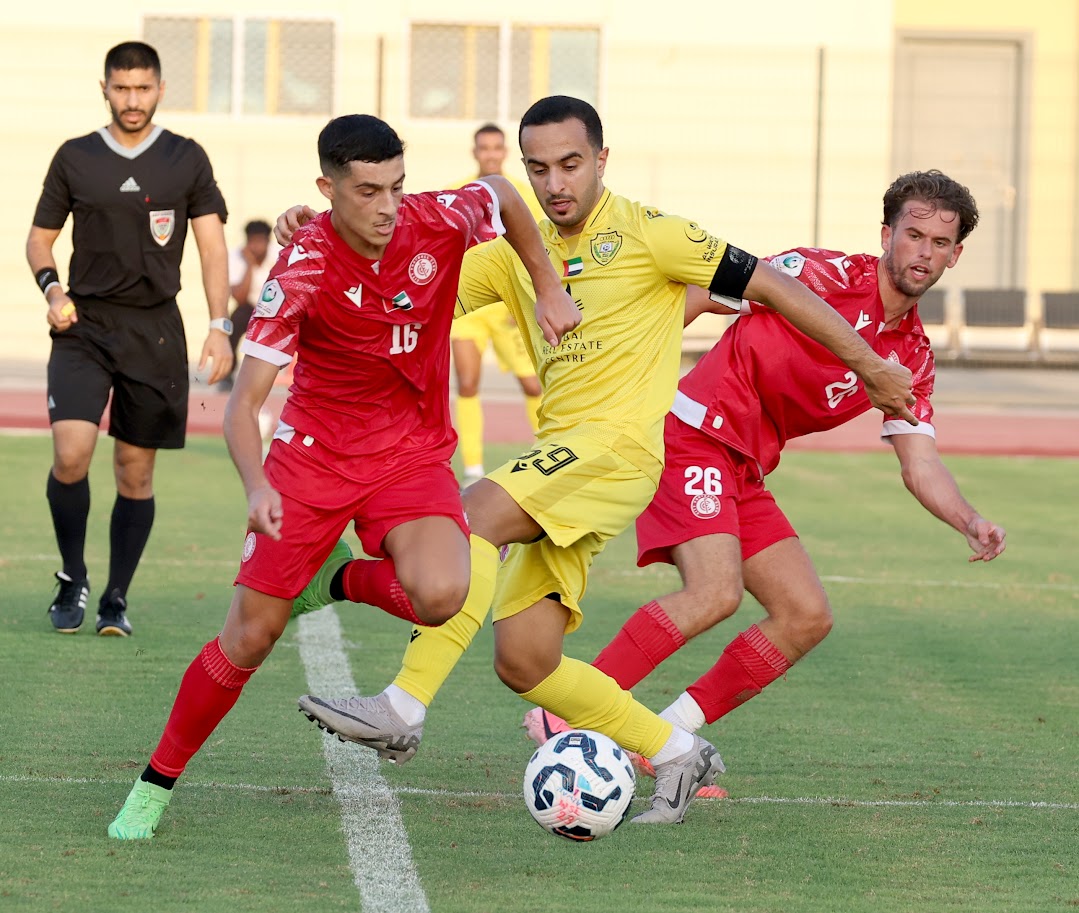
x,y
605,247
249,547
270,300
162,225
704,507
422,269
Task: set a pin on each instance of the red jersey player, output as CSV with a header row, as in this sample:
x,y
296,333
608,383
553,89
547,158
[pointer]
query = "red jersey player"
x,y
363,297
761,385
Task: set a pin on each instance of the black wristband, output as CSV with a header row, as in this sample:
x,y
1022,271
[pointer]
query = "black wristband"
x,y
46,277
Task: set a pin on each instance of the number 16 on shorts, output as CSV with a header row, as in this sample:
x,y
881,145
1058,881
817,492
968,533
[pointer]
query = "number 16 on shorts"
x,y
704,485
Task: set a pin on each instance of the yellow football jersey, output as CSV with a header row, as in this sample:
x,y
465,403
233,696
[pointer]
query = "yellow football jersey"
x,y
614,377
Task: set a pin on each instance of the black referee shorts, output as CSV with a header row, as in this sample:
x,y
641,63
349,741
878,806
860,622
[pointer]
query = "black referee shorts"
x,y
140,355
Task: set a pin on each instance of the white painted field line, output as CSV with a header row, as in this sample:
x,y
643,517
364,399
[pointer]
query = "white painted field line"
x,y
635,572
796,800
188,784
907,584
146,560
515,796
959,584
378,847
905,803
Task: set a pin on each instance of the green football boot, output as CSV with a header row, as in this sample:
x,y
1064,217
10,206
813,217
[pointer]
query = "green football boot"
x,y
317,593
142,811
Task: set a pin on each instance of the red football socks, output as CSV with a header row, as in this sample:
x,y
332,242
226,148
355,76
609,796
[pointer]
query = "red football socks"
x,y
748,664
644,641
376,583
208,691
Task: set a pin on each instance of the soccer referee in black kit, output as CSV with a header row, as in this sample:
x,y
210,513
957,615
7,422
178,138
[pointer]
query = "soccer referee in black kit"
x,y
132,187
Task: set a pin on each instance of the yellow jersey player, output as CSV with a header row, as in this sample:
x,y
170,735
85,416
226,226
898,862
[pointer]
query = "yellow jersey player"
x,y
599,453
492,325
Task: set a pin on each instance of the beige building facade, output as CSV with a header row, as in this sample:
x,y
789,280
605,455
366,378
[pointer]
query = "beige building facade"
x,y
774,125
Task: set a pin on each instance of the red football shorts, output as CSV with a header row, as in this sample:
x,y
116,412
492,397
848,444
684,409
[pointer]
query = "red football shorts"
x,y
707,488
319,503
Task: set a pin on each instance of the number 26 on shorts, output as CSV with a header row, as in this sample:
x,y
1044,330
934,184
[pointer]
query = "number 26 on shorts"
x,y
705,480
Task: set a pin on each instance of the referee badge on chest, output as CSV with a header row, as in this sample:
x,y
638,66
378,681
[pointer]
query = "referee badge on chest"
x,y
162,225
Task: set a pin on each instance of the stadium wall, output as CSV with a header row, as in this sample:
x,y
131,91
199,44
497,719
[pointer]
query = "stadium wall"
x,y
711,111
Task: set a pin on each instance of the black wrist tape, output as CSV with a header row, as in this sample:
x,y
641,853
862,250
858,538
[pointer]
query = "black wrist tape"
x,y
46,277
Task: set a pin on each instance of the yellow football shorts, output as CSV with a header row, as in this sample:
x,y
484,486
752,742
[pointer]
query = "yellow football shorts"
x,y
494,324
583,493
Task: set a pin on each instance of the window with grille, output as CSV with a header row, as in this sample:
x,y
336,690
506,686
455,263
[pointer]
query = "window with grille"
x,y
244,65
495,72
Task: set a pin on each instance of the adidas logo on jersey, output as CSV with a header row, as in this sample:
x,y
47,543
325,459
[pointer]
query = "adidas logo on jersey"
x,y
130,186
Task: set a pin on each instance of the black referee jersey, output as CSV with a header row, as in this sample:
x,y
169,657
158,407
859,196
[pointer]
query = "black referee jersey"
x,y
131,208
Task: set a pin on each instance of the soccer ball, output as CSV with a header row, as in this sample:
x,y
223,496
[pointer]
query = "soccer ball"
x,y
579,785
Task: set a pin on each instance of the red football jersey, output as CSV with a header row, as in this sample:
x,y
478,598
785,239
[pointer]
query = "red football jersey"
x,y
371,337
765,382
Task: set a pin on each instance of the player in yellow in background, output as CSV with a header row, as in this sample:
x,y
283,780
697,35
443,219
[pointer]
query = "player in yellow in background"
x,y
492,325
606,391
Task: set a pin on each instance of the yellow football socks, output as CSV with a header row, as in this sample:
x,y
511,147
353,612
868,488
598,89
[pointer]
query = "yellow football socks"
x,y
470,430
433,652
588,699
532,404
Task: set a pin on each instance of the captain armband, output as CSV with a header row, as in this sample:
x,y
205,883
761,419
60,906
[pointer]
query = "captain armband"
x,y
732,276
46,278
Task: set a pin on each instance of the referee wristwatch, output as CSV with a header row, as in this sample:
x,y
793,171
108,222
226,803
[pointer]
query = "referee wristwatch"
x,y
223,324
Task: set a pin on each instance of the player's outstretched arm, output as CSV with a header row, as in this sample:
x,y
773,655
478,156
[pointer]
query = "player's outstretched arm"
x,y
928,479
887,383
241,426
556,313
209,234
290,220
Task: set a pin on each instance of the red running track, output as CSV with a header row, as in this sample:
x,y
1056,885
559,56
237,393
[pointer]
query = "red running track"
x,y
1001,433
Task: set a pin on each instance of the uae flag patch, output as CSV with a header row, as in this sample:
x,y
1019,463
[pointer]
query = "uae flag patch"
x,y
572,267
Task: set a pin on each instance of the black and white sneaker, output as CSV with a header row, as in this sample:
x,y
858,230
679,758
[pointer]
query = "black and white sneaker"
x,y
69,605
112,616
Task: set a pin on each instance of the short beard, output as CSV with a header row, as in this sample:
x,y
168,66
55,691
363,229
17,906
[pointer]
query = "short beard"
x,y
121,125
903,284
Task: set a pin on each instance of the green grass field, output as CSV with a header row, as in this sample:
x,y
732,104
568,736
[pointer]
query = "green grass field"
x,y
924,758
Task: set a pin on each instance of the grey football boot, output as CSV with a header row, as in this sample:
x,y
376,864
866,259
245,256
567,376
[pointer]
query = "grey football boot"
x,y
369,721
678,780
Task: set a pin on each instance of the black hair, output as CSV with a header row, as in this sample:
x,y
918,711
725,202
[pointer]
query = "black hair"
x,y
488,128
554,109
257,227
936,189
132,55
356,138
